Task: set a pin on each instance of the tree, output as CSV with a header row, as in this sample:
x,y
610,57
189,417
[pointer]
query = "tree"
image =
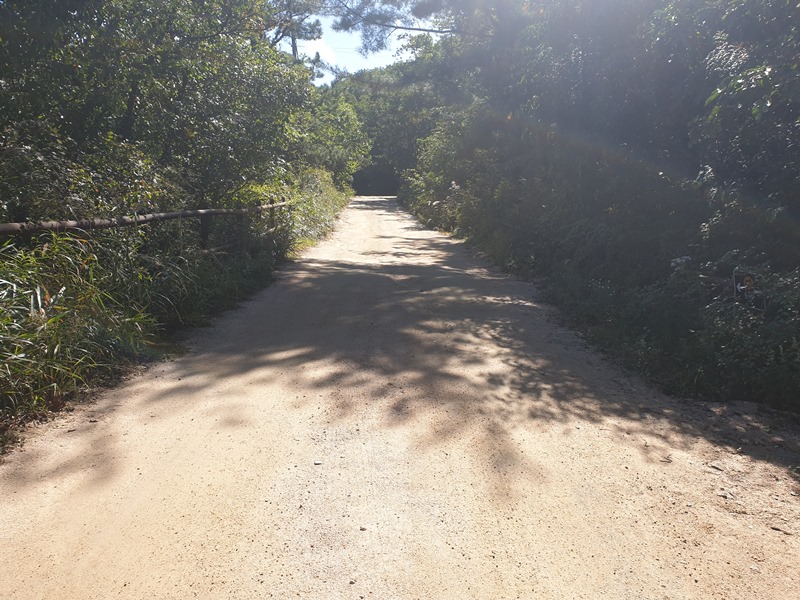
x,y
333,138
293,19
104,92
565,138
377,20
399,105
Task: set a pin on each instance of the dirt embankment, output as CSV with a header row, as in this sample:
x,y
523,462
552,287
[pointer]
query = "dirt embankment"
x,y
394,420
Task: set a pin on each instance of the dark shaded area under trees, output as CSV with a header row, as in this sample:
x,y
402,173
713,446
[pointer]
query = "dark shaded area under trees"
x,y
643,156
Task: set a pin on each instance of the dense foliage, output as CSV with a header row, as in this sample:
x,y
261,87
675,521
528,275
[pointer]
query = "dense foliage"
x,y
116,107
77,308
642,155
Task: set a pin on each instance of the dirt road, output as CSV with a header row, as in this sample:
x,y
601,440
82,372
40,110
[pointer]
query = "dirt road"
x,y
393,420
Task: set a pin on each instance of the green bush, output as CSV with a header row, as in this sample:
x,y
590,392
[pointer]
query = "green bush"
x,y
75,308
59,324
641,262
317,202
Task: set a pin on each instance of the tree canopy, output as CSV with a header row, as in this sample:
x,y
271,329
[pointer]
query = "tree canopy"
x,y
640,154
116,107
122,105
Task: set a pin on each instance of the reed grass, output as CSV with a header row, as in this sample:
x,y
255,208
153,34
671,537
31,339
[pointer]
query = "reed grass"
x,y
77,309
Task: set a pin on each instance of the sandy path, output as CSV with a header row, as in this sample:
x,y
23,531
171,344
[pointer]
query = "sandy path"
x,y
393,420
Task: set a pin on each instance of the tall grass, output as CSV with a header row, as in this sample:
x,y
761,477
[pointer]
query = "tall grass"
x,y
59,324
313,220
76,308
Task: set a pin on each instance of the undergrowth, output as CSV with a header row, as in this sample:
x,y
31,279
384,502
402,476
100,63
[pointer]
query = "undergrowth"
x,y
76,309
644,264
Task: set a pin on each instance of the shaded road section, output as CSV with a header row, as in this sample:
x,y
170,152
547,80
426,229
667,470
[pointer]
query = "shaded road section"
x,y
393,419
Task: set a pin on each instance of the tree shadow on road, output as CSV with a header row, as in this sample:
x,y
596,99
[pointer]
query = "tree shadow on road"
x,y
421,313
417,326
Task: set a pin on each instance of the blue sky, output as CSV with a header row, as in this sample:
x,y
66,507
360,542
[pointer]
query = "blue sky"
x,y
341,49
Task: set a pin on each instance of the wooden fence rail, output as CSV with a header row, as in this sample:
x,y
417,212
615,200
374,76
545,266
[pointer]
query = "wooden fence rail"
x,y
22,228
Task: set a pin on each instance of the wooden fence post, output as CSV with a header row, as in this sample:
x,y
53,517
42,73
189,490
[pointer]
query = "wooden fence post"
x,y
205,230
272,213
